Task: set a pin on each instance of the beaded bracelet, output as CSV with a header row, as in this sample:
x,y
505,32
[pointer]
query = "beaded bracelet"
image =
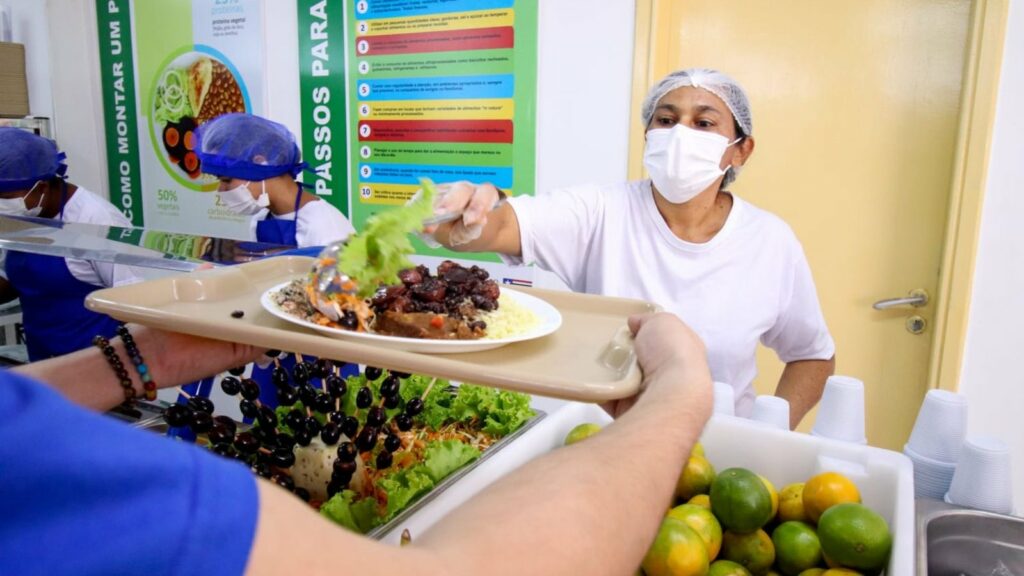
x,y
133,352
115,363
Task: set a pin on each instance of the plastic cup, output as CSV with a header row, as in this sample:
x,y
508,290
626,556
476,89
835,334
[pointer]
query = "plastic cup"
x,y
725,399
841,410
983,477
771,410
940,426
931,477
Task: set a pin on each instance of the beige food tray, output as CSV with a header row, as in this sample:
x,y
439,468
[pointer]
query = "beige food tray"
x,y
589,358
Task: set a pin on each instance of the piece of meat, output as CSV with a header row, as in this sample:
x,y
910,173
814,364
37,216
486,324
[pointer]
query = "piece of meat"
x,y
425,325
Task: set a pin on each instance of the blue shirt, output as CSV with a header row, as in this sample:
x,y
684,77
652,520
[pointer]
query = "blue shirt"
x,y
81,493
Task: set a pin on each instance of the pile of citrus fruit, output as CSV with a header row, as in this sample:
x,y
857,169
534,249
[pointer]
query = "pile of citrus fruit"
x,y
734,523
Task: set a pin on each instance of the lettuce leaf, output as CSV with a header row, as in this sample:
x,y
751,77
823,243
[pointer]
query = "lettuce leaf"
x,y
359,517
403,488
442,458
499,412
377,253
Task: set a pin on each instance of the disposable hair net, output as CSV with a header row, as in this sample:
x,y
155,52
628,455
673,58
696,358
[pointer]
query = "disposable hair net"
x,y
26,158
713,81
247,147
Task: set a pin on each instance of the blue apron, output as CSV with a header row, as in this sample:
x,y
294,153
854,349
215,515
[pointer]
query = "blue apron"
x,y
53,304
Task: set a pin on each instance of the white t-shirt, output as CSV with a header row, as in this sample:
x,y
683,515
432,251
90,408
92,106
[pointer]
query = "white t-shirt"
x,y
319,224
749,283
86,207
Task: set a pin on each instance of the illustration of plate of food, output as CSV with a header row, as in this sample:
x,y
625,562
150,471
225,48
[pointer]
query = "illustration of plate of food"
x,y
193,88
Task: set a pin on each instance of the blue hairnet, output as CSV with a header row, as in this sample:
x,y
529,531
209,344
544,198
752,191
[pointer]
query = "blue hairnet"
x,y
26,158
721,85
247,147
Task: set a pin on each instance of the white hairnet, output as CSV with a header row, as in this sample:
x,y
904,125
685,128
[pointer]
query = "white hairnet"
x,y
713,81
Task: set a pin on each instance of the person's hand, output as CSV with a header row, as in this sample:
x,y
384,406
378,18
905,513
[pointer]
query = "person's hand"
x,y
473,201
177,359
673,361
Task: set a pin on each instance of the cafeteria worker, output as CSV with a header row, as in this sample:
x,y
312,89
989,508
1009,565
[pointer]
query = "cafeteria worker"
x,y
734,272
52,289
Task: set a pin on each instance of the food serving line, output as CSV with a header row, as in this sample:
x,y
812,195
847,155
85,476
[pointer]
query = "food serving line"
x,y
582,351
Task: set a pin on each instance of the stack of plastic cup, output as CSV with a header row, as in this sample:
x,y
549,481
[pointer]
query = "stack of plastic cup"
x,y
841,411
935,442
771,410
983,477
725,399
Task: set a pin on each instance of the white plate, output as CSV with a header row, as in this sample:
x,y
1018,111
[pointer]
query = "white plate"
x,y
549,316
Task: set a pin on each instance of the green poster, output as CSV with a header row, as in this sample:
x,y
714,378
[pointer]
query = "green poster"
x,y
443,89
192,61
322,97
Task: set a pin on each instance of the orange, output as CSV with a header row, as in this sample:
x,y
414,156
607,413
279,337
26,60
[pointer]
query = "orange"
x,y
703,523
791,504
677,551
840,572
727,568
826,490
581,432
855,536
702,500
772,493
754,551
813,572
740,500
797,547
697,450
697,476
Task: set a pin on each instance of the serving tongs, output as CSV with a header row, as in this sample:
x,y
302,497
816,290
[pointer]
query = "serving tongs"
x,y
326,282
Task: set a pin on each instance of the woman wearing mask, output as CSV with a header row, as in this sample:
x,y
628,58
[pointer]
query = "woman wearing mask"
x,y
256,161
53,289
735,273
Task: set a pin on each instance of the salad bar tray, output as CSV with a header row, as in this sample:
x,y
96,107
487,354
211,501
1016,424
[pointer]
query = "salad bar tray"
x,y
589,357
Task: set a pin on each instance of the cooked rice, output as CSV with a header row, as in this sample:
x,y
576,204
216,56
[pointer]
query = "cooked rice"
x,y
509,320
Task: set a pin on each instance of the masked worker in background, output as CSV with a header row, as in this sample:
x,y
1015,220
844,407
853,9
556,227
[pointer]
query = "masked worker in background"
x,y
257,161
52,289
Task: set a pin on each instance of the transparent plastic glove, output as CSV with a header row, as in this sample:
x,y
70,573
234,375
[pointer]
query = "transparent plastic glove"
x,y
473,201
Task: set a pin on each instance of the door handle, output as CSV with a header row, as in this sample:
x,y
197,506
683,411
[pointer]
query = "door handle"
x,y
916,298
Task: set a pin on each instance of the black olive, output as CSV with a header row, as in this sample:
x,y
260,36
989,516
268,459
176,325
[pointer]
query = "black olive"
x,y
231,385
364,398
344,468
308,395
404,422
287,396
238,371
414,407
201,422
282,457
227,423
266,417
347,452
302,493
331,433
390,386
178,415
392,402
303,372
246,443
323,403
250,389
201,404
392,443
279,376
350,427
248,408
336,386
375,417
367,438
220,434
384,460
237,313
372,373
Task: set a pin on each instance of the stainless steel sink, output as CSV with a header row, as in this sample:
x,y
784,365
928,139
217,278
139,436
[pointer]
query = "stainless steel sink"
x,y
954,541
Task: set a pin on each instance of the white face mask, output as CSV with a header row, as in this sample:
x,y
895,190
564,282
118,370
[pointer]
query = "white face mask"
x,y
240,201
683,162
19,206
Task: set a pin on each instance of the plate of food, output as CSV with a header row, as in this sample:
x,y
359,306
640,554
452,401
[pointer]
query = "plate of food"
x,y
456,310
191,89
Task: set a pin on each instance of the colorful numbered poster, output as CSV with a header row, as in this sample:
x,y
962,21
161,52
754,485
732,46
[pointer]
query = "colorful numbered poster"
x,y
168,68
442,89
